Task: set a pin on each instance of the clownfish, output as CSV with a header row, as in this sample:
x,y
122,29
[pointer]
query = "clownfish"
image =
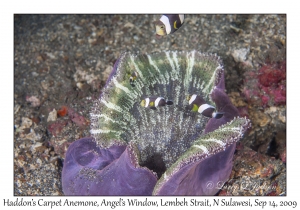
x,y
168,24
198,104
132,78
153,102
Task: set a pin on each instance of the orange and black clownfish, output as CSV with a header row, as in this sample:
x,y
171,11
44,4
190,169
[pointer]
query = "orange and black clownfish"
x,y
168,24
198,104
153,102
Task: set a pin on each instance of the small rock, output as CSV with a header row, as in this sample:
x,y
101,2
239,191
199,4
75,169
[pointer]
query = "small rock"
x,y
32,136
107,72
50,55
32,167
26,123
17,108
60,147
92,40
39,161
100,32
35,146
236,29
79,85
240,55
45,85
128,25
98,65
52,116
273,109
264,120
281,116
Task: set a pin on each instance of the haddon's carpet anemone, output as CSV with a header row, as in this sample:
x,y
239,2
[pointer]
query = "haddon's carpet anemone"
x,y
150,136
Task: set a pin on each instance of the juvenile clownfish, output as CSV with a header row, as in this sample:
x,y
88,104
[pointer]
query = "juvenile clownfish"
x,y
132,78
153,102
168,24
198,104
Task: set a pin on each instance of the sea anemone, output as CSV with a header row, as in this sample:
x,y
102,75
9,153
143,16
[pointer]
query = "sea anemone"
x,y
162,149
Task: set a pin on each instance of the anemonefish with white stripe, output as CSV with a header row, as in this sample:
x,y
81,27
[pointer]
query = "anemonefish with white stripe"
x,y
168,24
132,78
199,104
153,102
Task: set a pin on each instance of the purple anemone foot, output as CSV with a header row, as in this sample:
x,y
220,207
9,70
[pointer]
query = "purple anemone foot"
x,y
90,170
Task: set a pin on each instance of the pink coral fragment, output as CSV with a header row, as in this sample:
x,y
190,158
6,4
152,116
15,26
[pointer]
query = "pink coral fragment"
x,y
78,119
35,102
56,127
